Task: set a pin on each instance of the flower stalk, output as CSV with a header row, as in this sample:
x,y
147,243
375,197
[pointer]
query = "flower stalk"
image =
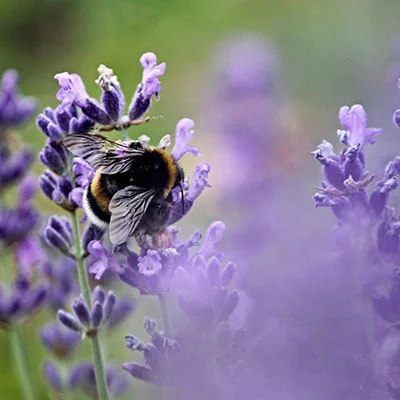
x,y
85,289
21,364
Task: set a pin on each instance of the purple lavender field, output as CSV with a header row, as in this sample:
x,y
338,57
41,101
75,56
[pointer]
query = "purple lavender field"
x,y
200,201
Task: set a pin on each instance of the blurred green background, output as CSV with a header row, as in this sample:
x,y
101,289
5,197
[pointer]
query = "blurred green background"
x,y
332,54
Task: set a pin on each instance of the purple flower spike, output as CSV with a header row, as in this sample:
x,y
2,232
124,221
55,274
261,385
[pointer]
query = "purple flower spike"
x,y
98,295
52,376
72,89
354,121
14,109
214,234
150,264
82,312
183,135
150,67
112,98
14,166
95,111
55,157
199,181
16,224
28,253
149,87
103,260
139,371
69,321
97,315
27,189
59,340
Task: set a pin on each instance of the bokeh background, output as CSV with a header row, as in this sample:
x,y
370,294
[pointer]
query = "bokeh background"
x,y
317,56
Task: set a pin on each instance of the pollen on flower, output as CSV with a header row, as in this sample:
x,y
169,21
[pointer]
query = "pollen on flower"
x,y
106,78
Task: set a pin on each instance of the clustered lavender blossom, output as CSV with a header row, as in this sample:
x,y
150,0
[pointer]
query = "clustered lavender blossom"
x,y
219,341
17,222
152,270
369,226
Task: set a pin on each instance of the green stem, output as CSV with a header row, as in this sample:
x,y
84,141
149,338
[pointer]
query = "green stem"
x,y
85,289
99,368
21,365
124,132
82,274
165,314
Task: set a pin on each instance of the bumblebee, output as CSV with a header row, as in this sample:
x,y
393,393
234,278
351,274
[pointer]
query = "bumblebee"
x,y
131,190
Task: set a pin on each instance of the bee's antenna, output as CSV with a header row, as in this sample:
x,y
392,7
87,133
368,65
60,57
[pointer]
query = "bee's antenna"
x,y
182,198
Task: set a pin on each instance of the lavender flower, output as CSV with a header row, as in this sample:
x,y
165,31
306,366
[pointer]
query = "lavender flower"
x,y
62,281
346,192
183,135
346,179
81,378
104,259
149,87
17,223
14,109
55,124
21,302
58,234
149,264
354,121
13,166
60,341
52,376
89,321
58,189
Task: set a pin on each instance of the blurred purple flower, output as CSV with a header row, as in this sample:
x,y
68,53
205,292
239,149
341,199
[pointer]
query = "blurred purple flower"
x,y
52,376
28,253
14,108
354,121
58,340
16,224
21,302
62,282
13,166
346,179
82,377
183,135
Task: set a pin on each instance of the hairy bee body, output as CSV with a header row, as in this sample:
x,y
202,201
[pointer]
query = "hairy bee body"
x,y
131,188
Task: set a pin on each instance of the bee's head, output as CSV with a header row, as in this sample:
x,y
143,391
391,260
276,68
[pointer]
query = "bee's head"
x,y
136,145
180,176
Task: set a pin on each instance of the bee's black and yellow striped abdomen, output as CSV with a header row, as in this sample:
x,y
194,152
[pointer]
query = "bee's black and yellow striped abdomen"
x,y
155,168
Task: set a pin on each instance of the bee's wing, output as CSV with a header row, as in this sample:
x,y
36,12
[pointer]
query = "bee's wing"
x,y
127,208
99,152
